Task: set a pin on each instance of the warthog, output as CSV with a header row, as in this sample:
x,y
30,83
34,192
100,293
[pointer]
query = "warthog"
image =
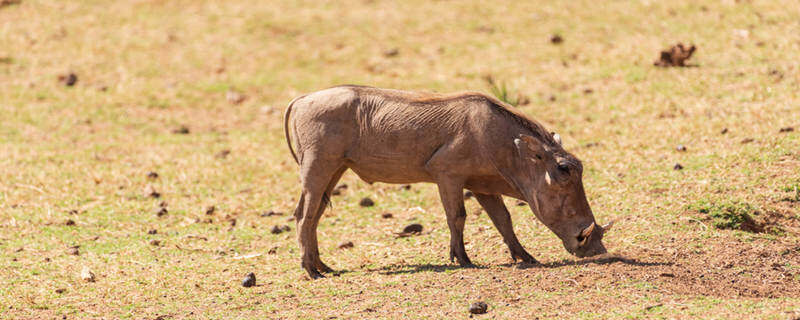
x,y
458,141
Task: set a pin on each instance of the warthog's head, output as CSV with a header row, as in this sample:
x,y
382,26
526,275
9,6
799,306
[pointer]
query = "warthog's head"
x,y
551,182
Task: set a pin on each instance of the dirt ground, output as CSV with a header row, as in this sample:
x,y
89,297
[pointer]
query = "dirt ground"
x,y
122,123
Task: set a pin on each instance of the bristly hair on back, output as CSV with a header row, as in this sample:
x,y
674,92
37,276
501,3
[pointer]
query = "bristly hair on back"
x,y
512,113
536,129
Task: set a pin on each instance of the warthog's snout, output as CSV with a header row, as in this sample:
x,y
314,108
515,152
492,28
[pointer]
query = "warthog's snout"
x,y
589,241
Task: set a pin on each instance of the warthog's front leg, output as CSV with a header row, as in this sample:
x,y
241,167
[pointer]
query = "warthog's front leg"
x,y
497,211
451,193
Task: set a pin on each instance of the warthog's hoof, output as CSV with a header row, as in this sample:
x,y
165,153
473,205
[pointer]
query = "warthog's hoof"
x,y
314,274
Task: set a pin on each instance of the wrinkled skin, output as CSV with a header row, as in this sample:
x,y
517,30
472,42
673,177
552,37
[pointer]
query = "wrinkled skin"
x,y
460,141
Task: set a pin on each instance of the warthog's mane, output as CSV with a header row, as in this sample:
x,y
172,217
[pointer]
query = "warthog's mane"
x,y
429,98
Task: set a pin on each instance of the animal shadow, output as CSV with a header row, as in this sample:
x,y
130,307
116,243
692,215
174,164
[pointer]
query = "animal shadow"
x,y
416,268
598,261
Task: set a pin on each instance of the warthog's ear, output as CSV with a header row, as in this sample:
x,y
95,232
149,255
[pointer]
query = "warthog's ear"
x,y
557,138
528,146
608,226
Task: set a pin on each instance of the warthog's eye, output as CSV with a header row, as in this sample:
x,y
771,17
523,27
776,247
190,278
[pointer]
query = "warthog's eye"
x,y
563,168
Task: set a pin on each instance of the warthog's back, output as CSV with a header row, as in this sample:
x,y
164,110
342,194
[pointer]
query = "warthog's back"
x,y
389,135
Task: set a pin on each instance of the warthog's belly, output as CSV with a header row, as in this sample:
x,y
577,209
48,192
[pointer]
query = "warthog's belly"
x,y
378,168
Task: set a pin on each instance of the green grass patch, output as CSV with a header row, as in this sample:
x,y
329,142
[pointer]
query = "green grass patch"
x,y
503,93
730,215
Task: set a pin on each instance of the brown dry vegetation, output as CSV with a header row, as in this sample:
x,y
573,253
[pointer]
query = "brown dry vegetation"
x,y
194,90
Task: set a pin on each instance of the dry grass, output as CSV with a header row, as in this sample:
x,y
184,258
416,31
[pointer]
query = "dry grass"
x,y
81,153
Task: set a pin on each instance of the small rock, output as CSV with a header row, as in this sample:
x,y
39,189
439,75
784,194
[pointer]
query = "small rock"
x,y
151,192
786,129
346,245
747,140
279,229
68,80
273,250
155,242
152,175
724,131
233,222
61,290
681,148
366,202
391,52
468,194
87,275
210,210
163,204
161,212
387,215
556,39
271,213
249,280
677,166
69,222
478,307
222,154
181,130
152,231
73,251
413,228
235,97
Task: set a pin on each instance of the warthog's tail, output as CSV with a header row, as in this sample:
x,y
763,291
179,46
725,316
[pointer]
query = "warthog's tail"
x,y
286,116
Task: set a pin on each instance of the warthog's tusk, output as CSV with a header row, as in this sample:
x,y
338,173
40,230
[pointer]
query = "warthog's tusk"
x,y
586,232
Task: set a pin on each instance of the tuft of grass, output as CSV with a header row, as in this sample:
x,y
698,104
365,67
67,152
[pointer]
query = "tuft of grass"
x,y
730,215
503,93
794,190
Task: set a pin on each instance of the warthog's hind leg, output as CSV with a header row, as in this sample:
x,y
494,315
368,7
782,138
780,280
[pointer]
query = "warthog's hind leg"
x,y
498,213
321,266
318,178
